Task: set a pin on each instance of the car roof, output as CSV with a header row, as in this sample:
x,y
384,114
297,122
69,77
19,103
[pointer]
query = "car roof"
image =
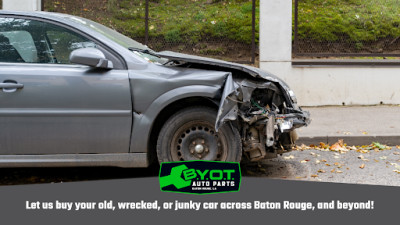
x,y
65,18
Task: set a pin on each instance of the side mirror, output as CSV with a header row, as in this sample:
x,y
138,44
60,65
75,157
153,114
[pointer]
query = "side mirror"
x,y
91,57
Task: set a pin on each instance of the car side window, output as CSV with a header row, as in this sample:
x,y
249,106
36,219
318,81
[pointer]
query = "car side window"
x,y
63,42
32,41
22,43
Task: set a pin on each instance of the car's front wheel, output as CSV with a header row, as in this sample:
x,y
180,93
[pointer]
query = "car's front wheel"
x,y
190,135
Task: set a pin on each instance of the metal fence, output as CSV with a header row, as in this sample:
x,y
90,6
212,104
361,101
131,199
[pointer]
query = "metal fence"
x,y
146,13
340,31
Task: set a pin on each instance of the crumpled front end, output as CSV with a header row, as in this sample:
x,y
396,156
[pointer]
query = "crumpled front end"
x,y
266,116
261,105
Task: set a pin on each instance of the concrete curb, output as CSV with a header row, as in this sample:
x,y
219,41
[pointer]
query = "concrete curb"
x,y
350,140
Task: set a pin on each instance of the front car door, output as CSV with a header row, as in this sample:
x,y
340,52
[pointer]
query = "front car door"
x,y
50,106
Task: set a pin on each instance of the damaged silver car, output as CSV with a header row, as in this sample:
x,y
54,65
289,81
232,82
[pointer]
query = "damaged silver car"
x,y
76,93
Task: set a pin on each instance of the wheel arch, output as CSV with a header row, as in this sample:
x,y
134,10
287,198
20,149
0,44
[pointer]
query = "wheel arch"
x,y
147,125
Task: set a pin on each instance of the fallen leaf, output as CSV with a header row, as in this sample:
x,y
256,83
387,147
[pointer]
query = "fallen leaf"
x,y
383,157
352,147
396,153
314,175
362,151
338,146
362,166
289,157
323,145
302,147
321,171
362,158
397,166
379,146
339,171
303,161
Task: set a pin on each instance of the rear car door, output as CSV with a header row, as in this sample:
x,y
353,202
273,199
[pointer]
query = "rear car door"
x,y
50,106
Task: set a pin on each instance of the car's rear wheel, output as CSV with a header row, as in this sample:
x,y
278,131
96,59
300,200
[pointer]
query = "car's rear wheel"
x,y
190,135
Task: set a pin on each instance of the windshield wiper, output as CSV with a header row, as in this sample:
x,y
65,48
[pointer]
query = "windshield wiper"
x,y
146,51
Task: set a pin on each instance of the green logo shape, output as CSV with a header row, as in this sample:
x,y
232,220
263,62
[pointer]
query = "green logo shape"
x,y
175,178
200,177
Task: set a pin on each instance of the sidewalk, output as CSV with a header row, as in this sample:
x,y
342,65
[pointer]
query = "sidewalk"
x,y
356,125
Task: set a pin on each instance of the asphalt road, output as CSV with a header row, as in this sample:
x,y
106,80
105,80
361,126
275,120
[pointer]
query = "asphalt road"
x,y
310,165
315,165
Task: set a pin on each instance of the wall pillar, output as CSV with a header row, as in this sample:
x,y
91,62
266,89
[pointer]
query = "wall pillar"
x,y
22,5
276,30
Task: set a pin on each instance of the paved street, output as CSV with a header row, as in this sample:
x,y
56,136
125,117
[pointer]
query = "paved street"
x,y
315,165
309,165
356,125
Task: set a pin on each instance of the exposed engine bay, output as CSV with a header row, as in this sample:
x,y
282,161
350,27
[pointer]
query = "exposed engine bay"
x,y
263,117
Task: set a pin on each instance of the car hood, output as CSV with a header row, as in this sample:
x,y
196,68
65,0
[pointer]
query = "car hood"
x,y
253,71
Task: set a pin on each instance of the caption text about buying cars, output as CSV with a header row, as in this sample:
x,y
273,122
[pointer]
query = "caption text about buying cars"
x,y
194,205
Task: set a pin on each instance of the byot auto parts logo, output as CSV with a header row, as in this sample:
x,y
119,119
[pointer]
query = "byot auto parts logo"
x,y
200,177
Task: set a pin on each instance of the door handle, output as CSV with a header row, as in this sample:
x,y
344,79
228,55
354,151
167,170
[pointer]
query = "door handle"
x,y
10,85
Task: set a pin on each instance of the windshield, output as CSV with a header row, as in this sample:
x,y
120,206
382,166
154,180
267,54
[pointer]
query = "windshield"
x,y
139,49
110,33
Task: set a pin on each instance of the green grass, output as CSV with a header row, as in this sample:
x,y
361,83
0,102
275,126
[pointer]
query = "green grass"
x,y
189,21
357,20
185,20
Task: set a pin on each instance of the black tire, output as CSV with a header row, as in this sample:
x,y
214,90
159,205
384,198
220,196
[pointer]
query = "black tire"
x,y
190,135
